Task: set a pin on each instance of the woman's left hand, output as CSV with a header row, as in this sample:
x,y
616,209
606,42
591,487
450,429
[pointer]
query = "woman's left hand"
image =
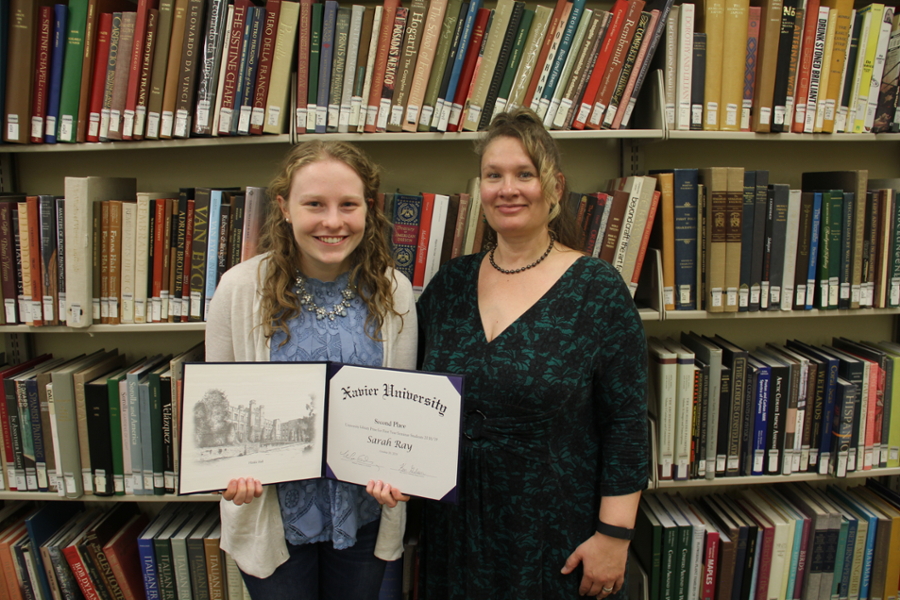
x,y
603,559
385,493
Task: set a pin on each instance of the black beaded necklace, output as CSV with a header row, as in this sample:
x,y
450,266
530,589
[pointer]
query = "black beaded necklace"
x,y
526,267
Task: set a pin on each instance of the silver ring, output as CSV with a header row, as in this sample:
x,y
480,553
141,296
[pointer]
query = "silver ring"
x,y
606,589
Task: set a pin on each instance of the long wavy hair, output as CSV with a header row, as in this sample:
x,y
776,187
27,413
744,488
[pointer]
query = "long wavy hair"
x,y
369,261
524,125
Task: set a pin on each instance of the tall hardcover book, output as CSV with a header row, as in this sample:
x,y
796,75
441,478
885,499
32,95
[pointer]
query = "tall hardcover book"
x,y
82,193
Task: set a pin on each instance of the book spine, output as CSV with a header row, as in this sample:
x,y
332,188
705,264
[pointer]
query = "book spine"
x,y
264,70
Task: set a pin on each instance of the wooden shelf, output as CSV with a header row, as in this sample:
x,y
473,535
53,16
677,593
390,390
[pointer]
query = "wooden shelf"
x,y
142,327
697,315
769,479
92,498
747,136
199,142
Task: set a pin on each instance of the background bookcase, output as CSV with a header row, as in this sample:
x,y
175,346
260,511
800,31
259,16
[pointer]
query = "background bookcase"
x,y
444,163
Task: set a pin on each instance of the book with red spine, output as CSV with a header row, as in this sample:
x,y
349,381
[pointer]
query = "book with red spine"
x,y
418,279
384,44
615,65
124,559
468,68
232,57
136,62
804,68
41,74
584,108
264,69
391,66
99,83
459,231
34,248
555,19
143,97
159,234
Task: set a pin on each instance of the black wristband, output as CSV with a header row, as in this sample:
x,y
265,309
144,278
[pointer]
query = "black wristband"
x,y
620,533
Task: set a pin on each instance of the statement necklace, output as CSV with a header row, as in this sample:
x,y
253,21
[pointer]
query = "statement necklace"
x,y
526,267
306,300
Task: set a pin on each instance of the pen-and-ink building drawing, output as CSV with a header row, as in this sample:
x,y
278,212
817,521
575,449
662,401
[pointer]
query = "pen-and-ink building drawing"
x,y
222,429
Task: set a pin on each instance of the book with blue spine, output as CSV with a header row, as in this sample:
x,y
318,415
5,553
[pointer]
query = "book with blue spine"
x,y
43,524
133,379
445,102
239,87
405,237
760,415
147,552
559,60
329,20
685,186
871,519
212,246
255,18
813,250
60,29
848,584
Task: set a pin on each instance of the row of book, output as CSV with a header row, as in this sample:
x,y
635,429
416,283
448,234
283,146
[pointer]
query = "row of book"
x,y
152,257
106,70
98,70
723,411
450,65
802,66
95,424
429,229
786,542
68,551
731,241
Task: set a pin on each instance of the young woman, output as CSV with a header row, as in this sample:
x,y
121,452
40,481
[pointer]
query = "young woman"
x,y
322,289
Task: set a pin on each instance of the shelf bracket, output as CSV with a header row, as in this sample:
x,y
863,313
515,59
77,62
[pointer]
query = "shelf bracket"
x,y
632,157
18,347
8,173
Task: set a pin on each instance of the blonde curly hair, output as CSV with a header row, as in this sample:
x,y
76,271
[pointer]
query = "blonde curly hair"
x,y
369,261
524,125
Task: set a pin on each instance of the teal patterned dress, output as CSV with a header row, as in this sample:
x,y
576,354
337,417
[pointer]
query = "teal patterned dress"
x,y
555,419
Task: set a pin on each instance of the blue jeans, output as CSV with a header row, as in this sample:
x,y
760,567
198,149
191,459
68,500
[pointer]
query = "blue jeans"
x,y
319,572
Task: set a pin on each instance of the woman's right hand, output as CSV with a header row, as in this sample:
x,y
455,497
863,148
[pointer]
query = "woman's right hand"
x,y
243,490
385,494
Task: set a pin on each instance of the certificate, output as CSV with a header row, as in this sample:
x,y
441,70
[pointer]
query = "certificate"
x,y
282,422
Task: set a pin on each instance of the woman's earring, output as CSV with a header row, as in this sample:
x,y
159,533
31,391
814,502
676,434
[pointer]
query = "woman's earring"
x,y
287,220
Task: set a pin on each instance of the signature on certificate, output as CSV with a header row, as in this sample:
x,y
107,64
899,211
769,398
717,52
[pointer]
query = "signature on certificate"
x,y
411,470
361,460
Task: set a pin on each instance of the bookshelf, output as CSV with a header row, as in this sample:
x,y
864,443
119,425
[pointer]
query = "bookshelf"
x,y
438,161
445,161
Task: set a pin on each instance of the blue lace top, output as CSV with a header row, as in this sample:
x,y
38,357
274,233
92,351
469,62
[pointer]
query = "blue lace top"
x,y
320,510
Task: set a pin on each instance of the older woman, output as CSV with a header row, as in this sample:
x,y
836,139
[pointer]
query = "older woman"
x,y
555,448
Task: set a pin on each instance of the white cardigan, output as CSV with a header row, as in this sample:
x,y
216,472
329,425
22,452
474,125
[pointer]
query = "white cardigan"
x,y
253,534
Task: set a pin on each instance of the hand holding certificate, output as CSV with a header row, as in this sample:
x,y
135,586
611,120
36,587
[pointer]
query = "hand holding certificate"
x,y
289,421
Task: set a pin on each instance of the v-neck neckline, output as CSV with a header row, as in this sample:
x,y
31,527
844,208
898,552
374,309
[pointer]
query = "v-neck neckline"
x,y
528,310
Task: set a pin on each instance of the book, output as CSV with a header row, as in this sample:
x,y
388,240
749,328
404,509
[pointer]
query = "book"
x,y
123,558
82,193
